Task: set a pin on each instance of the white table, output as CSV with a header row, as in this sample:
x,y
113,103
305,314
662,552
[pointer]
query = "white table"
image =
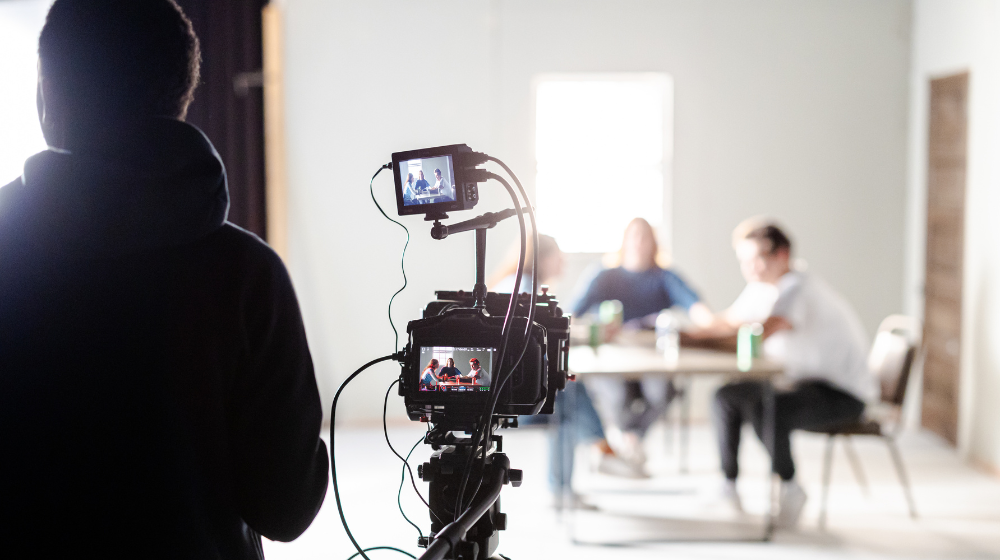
x,y
634,357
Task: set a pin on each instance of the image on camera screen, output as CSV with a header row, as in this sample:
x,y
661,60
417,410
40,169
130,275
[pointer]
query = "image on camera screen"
x,y
450,368
427,180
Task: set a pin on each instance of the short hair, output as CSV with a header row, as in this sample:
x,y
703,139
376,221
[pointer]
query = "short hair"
x,y
474,361
762,229
120,58
438,171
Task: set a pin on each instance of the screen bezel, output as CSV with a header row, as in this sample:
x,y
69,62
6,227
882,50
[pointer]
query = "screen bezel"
x,y
458,177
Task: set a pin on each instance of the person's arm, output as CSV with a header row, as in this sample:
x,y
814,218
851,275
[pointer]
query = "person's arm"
x,y
680,293
591,297
280,463
717,340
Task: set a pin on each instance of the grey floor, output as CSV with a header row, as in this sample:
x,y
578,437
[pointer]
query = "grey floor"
x,y
674,515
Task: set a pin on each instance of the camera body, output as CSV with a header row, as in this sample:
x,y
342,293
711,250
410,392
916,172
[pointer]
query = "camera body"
x,y
434,181
452,328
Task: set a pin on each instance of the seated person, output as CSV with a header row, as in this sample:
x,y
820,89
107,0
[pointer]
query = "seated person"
x,y
429,378
441,186
408,190
644,289
578,421
480,375
450,371
421,184
818,337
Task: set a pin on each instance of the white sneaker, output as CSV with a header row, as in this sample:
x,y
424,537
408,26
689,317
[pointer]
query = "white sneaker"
x,y
614,465
730,496
790,505
629,447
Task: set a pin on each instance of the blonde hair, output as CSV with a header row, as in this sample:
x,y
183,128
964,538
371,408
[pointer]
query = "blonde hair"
x,y
658,258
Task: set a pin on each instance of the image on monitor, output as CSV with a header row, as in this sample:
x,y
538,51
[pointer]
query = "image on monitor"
x,y
427,180
456,369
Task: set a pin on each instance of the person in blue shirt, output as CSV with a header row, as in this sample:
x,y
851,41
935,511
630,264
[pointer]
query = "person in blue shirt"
x,y
576,419
421,185
644,289
449,370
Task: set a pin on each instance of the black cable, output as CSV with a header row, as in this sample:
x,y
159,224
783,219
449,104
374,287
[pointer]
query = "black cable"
x,y
355,555
333,455
402,481
486,418
406,464
483,431
402,259
531,307
487,425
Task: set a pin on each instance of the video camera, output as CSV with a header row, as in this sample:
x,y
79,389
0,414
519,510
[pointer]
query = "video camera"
x,y
475,360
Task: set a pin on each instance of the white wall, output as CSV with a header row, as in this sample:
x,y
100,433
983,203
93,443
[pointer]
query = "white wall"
x,y
953,36
790,108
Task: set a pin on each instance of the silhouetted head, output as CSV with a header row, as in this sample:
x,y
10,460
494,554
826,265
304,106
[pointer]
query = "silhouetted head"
x,y
104,63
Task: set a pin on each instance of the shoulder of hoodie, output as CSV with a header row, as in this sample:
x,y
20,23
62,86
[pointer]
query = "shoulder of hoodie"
x,y
244,248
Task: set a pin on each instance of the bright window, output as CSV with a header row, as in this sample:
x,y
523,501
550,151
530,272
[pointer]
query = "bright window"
x,y
20,136
602,145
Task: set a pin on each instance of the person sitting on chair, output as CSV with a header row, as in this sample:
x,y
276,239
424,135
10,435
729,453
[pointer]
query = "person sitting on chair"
x,y
809,328
421,184
441,185
450,371
476,372
429,378
645,289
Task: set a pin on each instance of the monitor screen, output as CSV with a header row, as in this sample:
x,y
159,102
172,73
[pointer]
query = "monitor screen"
x,y
456,369
427,180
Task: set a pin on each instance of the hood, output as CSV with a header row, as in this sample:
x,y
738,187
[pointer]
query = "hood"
x,y
155,184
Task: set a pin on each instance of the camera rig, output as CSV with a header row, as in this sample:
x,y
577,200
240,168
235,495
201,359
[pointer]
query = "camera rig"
x,y
516,345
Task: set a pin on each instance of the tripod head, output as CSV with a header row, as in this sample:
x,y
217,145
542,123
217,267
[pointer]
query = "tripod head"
x,y
474,535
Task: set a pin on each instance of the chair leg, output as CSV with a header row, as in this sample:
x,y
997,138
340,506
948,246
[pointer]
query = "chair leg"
x,y
827,470
685,424
897,460
855,462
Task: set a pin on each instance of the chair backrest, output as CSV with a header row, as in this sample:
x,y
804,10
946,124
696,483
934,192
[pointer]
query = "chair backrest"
x,y
892,356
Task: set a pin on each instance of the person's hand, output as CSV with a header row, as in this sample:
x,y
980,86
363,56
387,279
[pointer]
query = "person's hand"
x,y
775,324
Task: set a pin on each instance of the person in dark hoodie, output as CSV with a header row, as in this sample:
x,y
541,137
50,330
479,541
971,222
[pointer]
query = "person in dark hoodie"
x,y
157,396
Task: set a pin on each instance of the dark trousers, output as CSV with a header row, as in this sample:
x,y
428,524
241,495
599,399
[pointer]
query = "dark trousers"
x,y
809,405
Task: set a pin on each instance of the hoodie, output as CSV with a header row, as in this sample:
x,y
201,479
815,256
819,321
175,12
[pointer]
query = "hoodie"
x,y
157,396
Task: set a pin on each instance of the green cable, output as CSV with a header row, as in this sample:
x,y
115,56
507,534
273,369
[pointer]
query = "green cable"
x,y
402,481
402,259
392,548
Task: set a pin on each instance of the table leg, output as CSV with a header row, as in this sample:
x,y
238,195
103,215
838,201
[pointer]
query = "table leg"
x,y
685,423
770,432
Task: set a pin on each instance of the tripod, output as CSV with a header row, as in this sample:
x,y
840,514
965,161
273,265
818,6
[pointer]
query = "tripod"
x,y
474,535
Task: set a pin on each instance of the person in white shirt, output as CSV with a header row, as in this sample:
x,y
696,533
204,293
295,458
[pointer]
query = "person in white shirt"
x,y
813,332
441,186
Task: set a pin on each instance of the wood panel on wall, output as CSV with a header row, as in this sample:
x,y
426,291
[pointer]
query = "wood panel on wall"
x,y
946,173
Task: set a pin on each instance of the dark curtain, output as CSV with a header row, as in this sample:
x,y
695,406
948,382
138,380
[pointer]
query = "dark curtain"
x,y
229,104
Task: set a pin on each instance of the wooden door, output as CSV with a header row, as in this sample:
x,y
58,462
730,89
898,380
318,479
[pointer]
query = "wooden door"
x,y
946,170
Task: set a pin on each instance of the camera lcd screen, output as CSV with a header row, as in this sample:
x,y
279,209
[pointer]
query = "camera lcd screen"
x,y
456,369
427,180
